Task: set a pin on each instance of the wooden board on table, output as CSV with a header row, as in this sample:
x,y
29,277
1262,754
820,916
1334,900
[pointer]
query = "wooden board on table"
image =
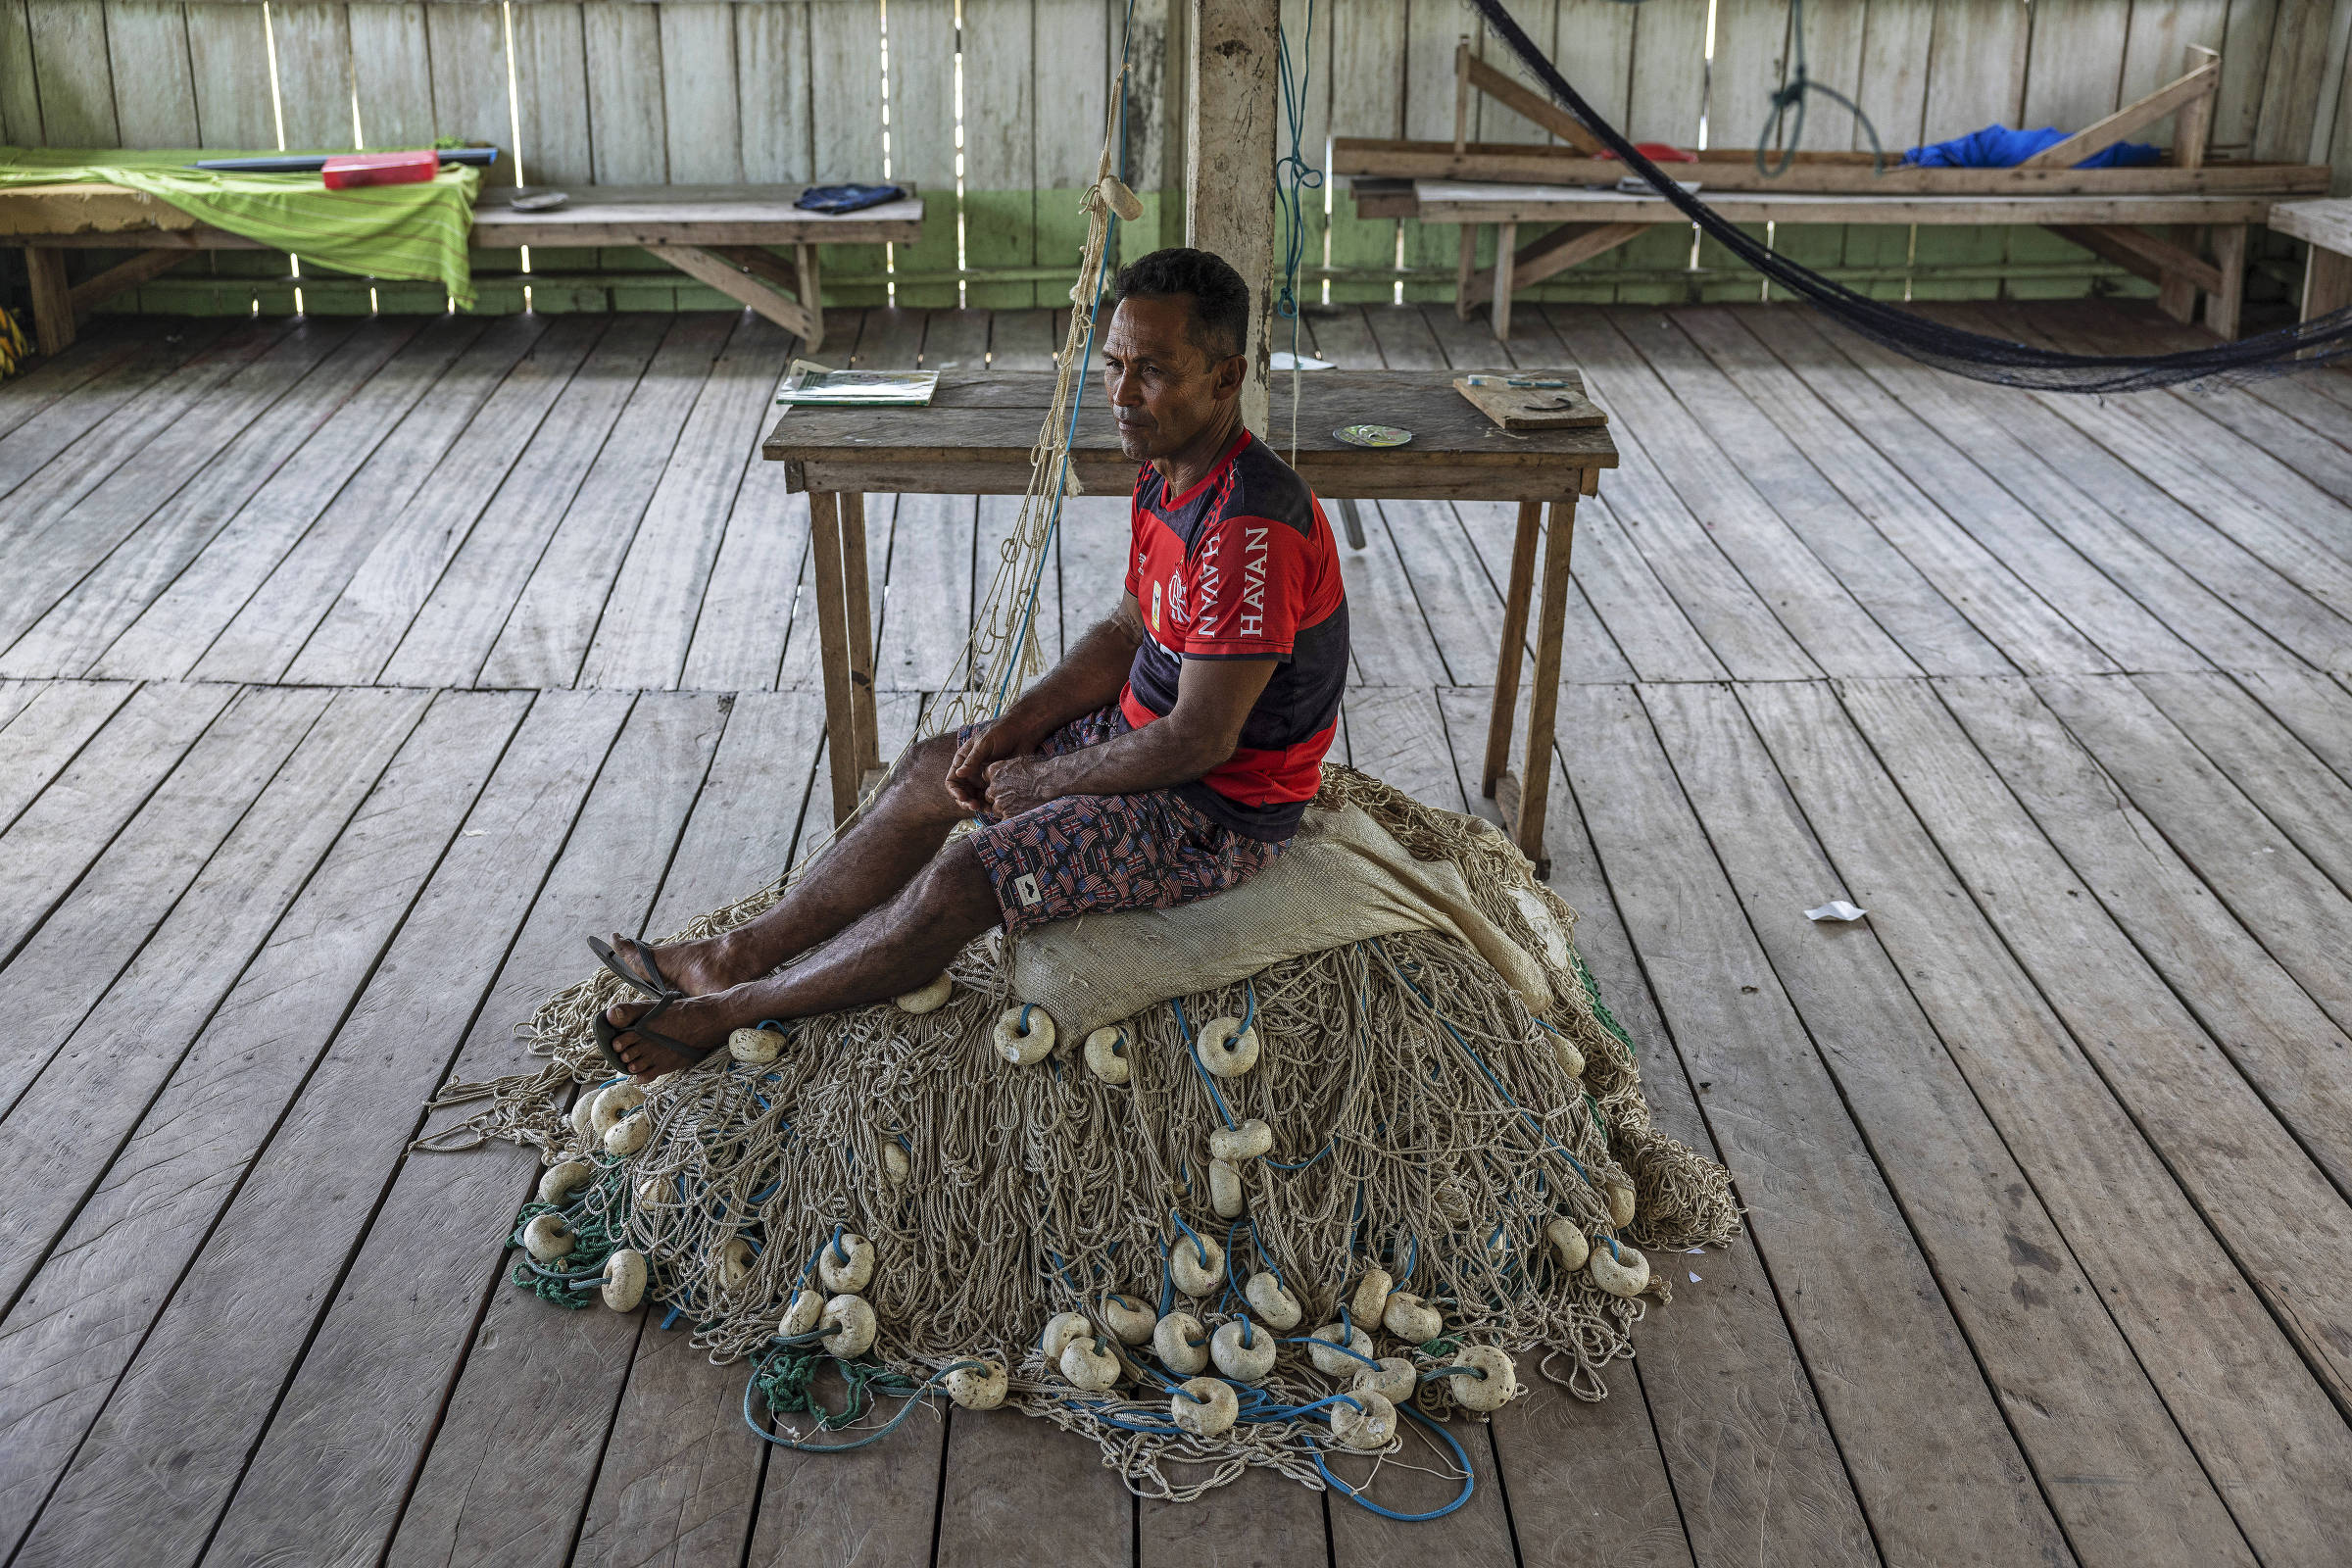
x,y
1554,402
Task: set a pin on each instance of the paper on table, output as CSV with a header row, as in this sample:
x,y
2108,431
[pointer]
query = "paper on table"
x,y
1285,360
1836,909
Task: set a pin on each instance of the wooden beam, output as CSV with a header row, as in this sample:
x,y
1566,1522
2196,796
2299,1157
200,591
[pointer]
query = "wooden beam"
x,y
2143,253
1230,112
1557,251
1543,110
2105,133
52,299
706,265
1461,96
93,291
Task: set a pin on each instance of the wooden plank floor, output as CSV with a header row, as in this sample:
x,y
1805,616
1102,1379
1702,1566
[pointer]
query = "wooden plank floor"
x,y
350,670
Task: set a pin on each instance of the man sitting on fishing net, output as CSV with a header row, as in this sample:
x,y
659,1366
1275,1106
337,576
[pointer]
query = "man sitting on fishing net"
x,y
1168,757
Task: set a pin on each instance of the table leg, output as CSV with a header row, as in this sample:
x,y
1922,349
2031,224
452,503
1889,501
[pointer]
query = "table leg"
x,y
1506,257
1464,269
1513,652
833,651
2229,259
2326,282
859,615
52,299
1535,780
812,294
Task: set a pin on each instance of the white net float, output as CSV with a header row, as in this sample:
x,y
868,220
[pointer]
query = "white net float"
x,y
1060,1329
1568,1242
846,1263
1121,200
1572,1060
1129,1320
1181,1343
1243,1351
1371,1295
1618,1269
927,998
1332,1361
1227,1049
1197,1264
1088,1364
755,1047
807,1310
1025,1035
1277,1307
1394,1380
1250,1140
1106,1055
1368,1423
628,1135
851,1318
610,1104
652,1192
1412,1319
580,1110
548,1238
1621,1205
565,1182
732,1263
978,1387
624,1279
1224,1188
1206,1407
895,1165
1497,1379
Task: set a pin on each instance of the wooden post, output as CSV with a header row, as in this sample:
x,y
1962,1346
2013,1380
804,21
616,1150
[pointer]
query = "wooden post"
x,y
866,747
52,299
2229,261
1506,258
1230,112
2327,282
2192,128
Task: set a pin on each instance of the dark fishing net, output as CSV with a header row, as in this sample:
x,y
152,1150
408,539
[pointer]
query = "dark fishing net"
x,y
2310,344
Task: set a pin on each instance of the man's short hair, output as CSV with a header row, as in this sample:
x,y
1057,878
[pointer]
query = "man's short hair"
x,y
1220,323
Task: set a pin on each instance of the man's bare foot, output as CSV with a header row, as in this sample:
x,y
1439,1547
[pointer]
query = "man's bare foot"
x,y
697,968
701,1023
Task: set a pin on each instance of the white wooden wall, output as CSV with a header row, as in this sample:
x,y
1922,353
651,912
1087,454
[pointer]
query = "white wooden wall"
x,y
995,107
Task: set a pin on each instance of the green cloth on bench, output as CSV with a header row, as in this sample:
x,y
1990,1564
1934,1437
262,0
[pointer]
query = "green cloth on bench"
x,y
411,231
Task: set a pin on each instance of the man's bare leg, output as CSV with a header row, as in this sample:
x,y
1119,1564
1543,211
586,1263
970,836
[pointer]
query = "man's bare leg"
x,y
891,950
871,864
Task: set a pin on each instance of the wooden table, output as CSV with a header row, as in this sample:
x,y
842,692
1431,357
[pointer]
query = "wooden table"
x,y
716,234
2327,227
976,437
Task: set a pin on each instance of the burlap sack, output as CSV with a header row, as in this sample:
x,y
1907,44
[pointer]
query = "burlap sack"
x,y
1343,881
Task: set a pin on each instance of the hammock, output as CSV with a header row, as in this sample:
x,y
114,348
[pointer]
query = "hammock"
x,y
2318,342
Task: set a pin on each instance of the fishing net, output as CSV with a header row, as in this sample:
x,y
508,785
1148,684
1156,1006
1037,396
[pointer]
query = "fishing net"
x,y
2320,341
1448,1170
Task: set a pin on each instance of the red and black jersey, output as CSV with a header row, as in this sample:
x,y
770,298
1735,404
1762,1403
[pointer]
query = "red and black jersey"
x,y
1241,565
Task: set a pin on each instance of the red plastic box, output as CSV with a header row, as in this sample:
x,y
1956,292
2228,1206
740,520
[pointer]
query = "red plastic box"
x,y
381,168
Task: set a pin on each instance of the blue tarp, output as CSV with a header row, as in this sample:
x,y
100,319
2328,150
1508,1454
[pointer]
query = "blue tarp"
x,y
1999,147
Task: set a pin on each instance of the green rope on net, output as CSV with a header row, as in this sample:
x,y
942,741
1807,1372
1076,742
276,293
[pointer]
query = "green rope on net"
x,y
787,1382
570,1282
1601,1009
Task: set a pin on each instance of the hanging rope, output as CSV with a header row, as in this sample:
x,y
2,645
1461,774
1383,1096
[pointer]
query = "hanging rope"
x,y
1788,110
1297,176
2319,342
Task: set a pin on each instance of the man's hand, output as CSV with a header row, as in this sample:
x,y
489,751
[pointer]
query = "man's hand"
x,y
1019,784
992,744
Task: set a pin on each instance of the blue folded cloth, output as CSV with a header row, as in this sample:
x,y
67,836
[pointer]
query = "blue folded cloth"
x,y
846,198
1999,147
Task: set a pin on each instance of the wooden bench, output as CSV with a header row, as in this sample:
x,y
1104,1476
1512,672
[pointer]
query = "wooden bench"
x,y
716,234
2327,227
2106,211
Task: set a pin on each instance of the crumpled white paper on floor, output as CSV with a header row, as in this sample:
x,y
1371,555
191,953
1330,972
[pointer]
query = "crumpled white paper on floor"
x,y
1836,909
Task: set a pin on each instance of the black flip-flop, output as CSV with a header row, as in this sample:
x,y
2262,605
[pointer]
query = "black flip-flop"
x,y
650,981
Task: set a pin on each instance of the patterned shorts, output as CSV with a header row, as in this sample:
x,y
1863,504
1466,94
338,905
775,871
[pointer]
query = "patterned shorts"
x,y
1090,853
